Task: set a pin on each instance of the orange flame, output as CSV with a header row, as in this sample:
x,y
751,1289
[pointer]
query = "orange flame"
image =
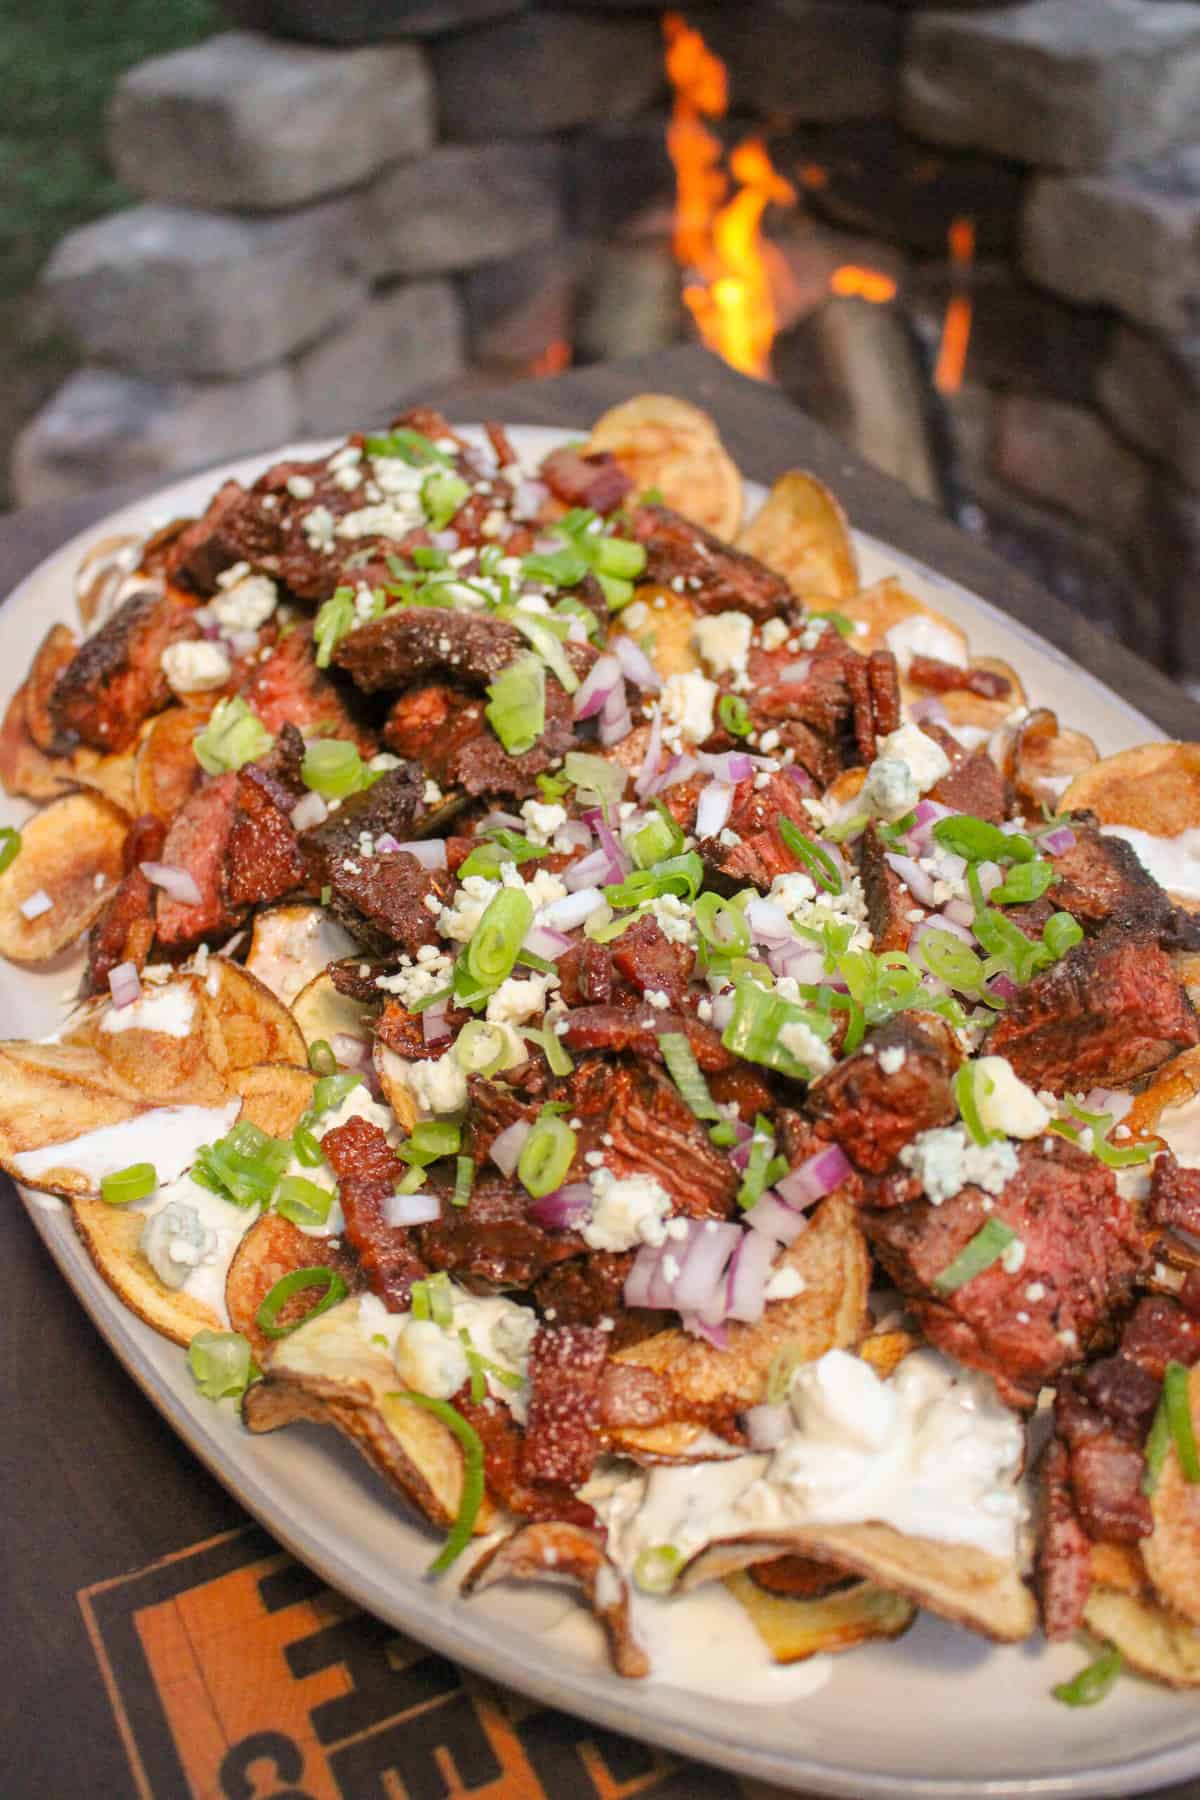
x,y
553,360
718,240
863,284
956,325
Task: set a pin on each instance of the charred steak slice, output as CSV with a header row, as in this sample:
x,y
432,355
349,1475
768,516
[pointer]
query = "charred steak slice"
x,y
715,577
873,1108
115,681
367,1171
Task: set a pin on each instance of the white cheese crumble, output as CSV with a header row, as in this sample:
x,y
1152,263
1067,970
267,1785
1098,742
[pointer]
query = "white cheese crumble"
x,y
802,1042
542,819
516,1000
723,640
194,667
946,1160
317,527
774,633
1005,1102
626,1212
244,604
906,766
438,1087
688,701
301,487
175,1241
784,1284
893,1058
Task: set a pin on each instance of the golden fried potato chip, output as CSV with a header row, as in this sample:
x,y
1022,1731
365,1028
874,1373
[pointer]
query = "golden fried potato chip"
x,y
886,608
392,1071
802,533
795,1628
256,1027
291,945
662,622
55,651
1119,1566
168,1048
670,445
886,1350
112,1235
275,1096
1152,1640
272,1248
1172,1551
566,1554
1155,788
832,1261
69,862
1174,1084
104,566
110,775
321,1011
1041,758
51,1094
165,770
24,769
329,1371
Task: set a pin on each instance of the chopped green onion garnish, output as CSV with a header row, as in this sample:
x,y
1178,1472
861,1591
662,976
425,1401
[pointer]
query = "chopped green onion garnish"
x,y
548,645
817,862
1179,1417
616,592
949,959
657,840
844,829
409,446
442,493
985,1248
10,846
516,708
425,556
321,1059
655,1569
220,1363
841,624
441,1299
1024,882
1061,933
599,782
724,1135
464,1180
734,715
233,736
244,1166
335,618
546,1155
968,1082
482,1366
331,1090
565,567
480,1047
126,1185
430,1140
759,1016
551,1046
333,768
754,1177
1099,1125
1158,1443
326,895
1094,1682
471,1494
621,557
298,1282
496,941
980,841
305,1145
681,875
301,1201
721,924
687,1075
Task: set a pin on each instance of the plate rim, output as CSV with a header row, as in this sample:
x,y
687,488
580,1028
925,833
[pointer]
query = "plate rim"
x,y
417,1609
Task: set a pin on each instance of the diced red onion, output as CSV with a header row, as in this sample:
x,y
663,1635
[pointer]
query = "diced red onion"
x,y
801,777
929,711
565,1208
815,1178
714,808
617,859
775,1219
528,499
990,877
411,1209
434,1028
916,879
767,1425
596,686
961,911
653,757
615,721
678,768
242,642
928,812
722,1010
636,665
124,984
768,923
795,671
444,540
564,915
308,812
176,883
429,852
803,962
545,941
506,1148
508,820
640,1278
1003,986
745,1296
349,1050
703,1258
1055,842
727,765
939,922
716,1335
597,866
1107,1100
573,833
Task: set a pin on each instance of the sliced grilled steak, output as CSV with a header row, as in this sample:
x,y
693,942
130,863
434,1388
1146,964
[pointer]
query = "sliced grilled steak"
x,y
873,1112
124,931
288,688
647,959
1175,1196
391,806
115,681
1101,878
619,1028
264,860
716,578
562,1432
889,902
750,848
492,1244
589,1289
974,784
367,1171
198,843
633,1116
1111,1010
402,648
938,677
386,899
1064,1551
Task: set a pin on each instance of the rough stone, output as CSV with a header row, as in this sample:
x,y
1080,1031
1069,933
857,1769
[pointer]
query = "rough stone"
x,y
545,72
1168,552
167,290
807,59
366,21
1130,239
1020,336
1059,83
521,312
631,304
615,171
1067,457
460,206
402,341
245,120
1150,389
103,427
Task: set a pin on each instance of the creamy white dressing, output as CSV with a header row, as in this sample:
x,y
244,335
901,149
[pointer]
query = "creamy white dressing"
x,y
167,1136
357,1104
170,1010
922,636
969,736
1179,1127
1174,862
294,945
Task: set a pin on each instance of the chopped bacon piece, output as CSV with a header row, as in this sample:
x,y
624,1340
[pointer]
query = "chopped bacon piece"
x,y
619,1028
1175,1196
595,480
939,677
717,577
506,1481
562,1435
884,681
651,963
367,1171
493,1244
757,852
1064,1573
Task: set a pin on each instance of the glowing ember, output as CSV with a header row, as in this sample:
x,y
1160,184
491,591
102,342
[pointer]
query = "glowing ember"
x,y
956,326
553,360
863,284
718,240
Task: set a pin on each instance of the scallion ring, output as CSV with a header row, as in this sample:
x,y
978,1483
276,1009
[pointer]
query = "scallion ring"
x,y
471,1493
817,861
127,1185
298,1282
546,1155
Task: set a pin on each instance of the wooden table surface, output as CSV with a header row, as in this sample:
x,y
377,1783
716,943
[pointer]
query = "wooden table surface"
x,y
157,1643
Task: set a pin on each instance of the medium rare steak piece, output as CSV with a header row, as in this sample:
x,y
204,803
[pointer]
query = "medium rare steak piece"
x,y
124,931
1063,1565
198,843
1101,879
1175,1196
634,1117
1111,1010
974,784
399,649
938,677
873,1108
367,1172
1037,1311
619,1028
390,806
382,897
115,680
289,689
647,959
492,1244
889,902
264,859
750,848
596,480
715,577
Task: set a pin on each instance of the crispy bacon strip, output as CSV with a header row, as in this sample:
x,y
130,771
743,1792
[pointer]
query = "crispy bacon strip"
x,y
367,1171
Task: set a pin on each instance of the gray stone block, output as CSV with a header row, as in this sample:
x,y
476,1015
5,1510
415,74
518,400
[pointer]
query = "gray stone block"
x,y
617,170
168,290
517,309
1130,239
366,21
1150,389
630,304
245,120
102,427
402,341
1168,551
807,59
545,72
1071,84
1068,457
460,206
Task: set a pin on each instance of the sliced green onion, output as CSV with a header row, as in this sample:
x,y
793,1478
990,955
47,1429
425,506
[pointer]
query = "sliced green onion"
x,y
516,708
967,1084
127,1185
464,1180
659,839
442,493
985,1248
616,592
1113,1156
321,1059
1007,946
949,959
753,1032
305,1145
1024,882
1061,933
817,862
409,446
333,768
551,1046
1158,1443
482,1366
734,715
441,1299
418,1303
620,557
434,999
721,924
1179,1417
754,1177
599,782
724,1135
426,556
841,624
687,1075
220,1363
301,1201
471,1495
783,1366
10,846
480,1047
503,846
1094,1682
843,829
655,1569
243,1166
496,941
552,787
546,1155
429,1141
681,875
233,736
331,1090
565,567
326,895
899,828
412,1180
298,1282
547,643
980,841
335,619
